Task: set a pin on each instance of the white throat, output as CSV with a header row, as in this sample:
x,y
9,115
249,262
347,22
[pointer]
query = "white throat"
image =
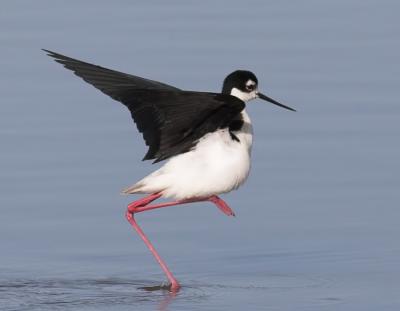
x,y
244,96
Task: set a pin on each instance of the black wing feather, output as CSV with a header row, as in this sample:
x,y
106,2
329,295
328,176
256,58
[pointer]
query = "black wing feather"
x,y
108,81
171,120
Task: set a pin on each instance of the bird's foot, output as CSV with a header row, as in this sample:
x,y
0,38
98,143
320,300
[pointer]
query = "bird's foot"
x,y
221,204
173,288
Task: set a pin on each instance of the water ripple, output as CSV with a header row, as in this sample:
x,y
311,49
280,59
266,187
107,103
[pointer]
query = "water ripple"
x,y
119,293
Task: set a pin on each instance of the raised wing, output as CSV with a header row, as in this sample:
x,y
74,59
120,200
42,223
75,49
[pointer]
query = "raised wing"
x,y
108,81
171,120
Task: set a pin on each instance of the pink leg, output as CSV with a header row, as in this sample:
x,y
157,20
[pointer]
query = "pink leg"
x,y
142,205
174,283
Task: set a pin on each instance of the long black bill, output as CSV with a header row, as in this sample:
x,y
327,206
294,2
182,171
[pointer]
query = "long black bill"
x,y
269,99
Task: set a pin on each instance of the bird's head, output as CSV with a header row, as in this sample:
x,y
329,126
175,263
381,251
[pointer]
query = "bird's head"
x,y
243,84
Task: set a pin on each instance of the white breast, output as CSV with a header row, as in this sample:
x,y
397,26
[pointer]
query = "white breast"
x,y
245,134
218,164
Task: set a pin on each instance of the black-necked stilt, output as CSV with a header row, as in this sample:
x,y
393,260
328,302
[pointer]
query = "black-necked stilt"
x,y
206,137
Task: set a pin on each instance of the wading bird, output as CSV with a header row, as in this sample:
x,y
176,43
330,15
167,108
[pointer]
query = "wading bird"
x,y
204,137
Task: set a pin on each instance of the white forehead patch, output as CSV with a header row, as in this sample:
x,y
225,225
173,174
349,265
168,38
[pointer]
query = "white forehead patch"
x,y
250,83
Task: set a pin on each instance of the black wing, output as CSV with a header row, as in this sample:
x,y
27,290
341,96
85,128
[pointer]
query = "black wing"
x,y
110,82
171,120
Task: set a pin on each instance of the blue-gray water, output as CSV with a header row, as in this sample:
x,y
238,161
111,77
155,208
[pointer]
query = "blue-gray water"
x,y
317,224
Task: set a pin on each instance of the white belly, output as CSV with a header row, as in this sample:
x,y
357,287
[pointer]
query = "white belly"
x,y
218,164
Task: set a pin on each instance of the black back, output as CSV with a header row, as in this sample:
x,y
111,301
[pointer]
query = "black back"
x,y
171,120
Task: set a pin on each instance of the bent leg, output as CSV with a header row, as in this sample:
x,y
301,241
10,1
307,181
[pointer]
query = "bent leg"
x,y
142,204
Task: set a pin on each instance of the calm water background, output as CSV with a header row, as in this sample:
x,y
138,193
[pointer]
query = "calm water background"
x,y
317,224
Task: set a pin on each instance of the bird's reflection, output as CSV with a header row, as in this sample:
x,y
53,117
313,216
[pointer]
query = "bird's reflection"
x,y
168,294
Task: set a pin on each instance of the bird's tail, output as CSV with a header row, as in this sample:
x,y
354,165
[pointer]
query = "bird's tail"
x,y
132,189
155,182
